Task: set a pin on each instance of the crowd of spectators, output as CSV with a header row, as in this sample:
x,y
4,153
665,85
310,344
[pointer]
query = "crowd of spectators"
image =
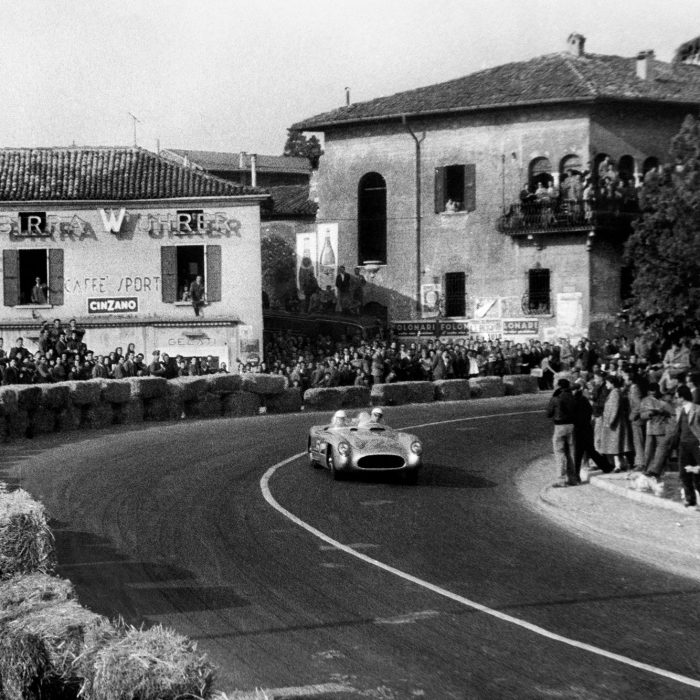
x,y
63,355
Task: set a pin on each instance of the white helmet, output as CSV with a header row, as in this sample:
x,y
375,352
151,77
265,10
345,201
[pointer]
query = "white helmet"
x,y
377,414
339,418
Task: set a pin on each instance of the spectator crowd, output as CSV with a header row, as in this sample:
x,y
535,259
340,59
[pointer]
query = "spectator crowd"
x,y
63,355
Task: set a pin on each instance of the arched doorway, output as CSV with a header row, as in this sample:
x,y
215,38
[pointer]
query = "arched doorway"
x,y
371,219
540,172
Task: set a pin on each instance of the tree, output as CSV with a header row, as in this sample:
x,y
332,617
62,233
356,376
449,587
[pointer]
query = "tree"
x,y
279,262
664,250
298,145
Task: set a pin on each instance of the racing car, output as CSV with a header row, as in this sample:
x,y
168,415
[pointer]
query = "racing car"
x,y
364,444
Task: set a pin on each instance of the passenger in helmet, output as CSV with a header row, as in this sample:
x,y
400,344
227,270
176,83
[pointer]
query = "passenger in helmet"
x,y
377,415
340,419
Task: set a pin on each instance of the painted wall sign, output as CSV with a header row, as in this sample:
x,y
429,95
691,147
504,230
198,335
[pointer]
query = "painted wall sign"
x,y
522,326
112,305
107,284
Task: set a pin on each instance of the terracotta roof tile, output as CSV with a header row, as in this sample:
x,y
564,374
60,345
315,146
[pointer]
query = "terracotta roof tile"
x,y
224,161
560,77
103,173
290,200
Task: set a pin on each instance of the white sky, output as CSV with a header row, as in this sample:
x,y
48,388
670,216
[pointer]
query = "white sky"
x,y
233,75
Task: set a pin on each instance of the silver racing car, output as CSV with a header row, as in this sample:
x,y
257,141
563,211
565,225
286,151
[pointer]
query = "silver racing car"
x,y
364,444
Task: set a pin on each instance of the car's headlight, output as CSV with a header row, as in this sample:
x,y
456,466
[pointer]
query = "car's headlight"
x,y
344,449
416,448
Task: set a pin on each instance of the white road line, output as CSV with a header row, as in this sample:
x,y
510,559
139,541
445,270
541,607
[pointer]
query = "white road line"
x,y
267,494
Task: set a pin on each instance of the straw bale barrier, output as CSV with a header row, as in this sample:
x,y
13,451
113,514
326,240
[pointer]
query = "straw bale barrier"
x,y
8,399
147,387
157,409
115,390
149,663
28,397
223,383
209,406
131,412
43,421
26,543
398,393
487,387
240,403
335,397
100,415
265,384
451,389
289,401
24,592
520,384
192,388
18,425
54,396
68,419
84,393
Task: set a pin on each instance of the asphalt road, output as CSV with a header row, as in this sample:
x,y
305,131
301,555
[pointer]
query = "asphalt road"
x,y
479,596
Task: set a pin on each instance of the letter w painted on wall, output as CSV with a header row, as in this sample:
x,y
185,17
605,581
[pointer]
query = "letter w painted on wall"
x,y
112,222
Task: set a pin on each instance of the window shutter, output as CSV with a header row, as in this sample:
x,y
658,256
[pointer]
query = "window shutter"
x,y
56,276
439,190
213,273
10,274
470,187
168,273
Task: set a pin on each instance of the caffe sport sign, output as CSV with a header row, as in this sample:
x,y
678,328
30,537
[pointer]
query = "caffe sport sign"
x,y
112,305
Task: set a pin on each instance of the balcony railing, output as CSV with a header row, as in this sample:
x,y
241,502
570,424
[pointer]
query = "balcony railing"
x,y
554,216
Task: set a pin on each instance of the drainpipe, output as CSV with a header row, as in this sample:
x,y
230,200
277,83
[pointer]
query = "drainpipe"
x,y
418,142
253,170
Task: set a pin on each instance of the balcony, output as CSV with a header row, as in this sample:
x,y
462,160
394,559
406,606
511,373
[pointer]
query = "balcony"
x,y
567,216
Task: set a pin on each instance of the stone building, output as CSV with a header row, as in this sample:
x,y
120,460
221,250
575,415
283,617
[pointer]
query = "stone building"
x,y
116,235
436,191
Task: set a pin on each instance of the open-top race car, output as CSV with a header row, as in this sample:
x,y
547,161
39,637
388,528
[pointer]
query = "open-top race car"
x,y
364,444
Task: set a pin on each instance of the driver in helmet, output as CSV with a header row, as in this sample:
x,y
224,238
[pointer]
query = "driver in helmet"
x,y
340,420
377,415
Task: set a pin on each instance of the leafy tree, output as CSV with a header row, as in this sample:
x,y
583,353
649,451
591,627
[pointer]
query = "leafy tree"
x,y
664,250
298,145
278,269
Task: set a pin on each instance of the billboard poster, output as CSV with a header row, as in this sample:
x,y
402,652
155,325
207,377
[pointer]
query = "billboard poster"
x,y
521,326
430,299
327,245
307,263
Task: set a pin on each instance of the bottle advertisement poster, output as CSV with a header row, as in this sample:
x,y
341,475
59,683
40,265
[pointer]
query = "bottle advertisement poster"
x,y
317,259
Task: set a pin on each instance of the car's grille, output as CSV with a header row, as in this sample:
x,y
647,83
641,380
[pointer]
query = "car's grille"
x,y
381,462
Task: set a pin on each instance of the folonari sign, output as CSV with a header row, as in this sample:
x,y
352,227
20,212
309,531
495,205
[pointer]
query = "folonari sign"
x,y
112,305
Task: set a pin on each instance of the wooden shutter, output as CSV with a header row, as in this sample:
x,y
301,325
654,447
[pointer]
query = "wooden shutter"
x,y
470,187
168,273
439,190
455,290
56,276
10,275
213,273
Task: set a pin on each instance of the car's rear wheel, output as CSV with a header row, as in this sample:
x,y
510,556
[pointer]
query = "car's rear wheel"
x,y
330,463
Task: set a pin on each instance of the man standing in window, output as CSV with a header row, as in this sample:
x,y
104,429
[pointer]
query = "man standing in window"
x,y
197,294
40,292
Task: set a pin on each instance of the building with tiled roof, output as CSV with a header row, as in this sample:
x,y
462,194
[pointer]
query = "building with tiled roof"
x,y
115,237
245,168
500,201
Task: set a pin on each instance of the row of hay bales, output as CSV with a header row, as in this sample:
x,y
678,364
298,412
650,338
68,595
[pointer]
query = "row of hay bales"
x,y
52,647
399,393
32,410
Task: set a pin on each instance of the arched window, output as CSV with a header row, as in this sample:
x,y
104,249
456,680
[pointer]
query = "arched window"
x,y
649,164
540,172
572,163
371,218
626,168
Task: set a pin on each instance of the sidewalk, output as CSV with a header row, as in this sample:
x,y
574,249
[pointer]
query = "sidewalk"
x,y
610,512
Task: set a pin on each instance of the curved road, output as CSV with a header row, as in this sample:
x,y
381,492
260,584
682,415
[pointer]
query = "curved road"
x,y
461,591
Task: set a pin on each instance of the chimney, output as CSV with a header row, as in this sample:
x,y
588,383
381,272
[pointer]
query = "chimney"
x,y
644,67
253,170
241,160
575,44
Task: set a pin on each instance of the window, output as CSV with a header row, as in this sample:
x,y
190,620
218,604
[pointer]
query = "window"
x,y
180,265
626,168
190,220
540,173
21,268
649,164
371,219
32,223
455,300
538,291
455,188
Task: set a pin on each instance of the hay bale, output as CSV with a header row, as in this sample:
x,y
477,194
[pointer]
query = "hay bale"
x,y
54,396
18,425
23,592
330,398
398,393
223,383
192,387
41,651
240,403
131,412
149,663
68,419
515,384
175,398
26,543
28,397
210,406
487,387
263,383
451,389
147,387
289,401
43,421
85,393
115,390
8,399
100,415
157,409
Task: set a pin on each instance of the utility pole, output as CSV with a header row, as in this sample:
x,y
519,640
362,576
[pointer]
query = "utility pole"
x,y
136,120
